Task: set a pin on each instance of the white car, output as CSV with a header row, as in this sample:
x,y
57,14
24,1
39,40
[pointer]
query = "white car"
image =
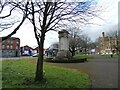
x,y
35,55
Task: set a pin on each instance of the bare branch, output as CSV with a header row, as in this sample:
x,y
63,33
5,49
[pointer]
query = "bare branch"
x,y
15,30
33,22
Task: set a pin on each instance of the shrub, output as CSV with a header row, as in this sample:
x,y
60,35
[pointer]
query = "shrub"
x,y
73,60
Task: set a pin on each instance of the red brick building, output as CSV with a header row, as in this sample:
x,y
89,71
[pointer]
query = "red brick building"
x,y
10,47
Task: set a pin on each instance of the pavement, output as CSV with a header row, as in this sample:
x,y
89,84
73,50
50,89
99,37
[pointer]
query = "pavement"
x,y
103,72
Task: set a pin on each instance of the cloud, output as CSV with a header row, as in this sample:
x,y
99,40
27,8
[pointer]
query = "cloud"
x,y
110,16
26,33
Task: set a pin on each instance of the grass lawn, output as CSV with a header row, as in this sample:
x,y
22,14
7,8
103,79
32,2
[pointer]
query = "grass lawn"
x,y
91,56
20,74
108,55
84,56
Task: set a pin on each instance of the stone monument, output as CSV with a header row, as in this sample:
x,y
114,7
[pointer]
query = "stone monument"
x,y
63,52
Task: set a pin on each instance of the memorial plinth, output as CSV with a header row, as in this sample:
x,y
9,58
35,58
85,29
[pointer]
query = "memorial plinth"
x,y
63,52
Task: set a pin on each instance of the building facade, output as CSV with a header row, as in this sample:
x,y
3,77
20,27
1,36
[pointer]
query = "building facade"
x,y
10,47
108,45
26,50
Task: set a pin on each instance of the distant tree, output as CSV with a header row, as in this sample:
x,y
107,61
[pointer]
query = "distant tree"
x,y
54,48
85,44
78,40
46,16
74,39
92,45
54,45
114,34
97,44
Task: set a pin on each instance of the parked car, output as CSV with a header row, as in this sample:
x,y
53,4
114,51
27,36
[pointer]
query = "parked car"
x,y
35,55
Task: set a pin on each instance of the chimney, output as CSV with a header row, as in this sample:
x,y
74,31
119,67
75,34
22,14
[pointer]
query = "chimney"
x,y
103,34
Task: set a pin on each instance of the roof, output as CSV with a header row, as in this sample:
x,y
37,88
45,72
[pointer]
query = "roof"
x,y
63,31
26,47
11,38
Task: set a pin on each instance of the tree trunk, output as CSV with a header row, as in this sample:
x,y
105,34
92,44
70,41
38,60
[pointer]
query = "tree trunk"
x,y
39,69
72,50
85,51
73,53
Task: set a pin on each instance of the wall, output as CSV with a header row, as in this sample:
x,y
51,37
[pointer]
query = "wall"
x,y
10,47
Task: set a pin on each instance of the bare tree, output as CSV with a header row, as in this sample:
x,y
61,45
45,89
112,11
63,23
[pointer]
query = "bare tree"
x,y
53,49
114,39
46,16
86,41
79,41
51,17
74,39
54,45
13,6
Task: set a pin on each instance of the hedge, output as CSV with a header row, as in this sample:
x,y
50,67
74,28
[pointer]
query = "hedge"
x,y
73,60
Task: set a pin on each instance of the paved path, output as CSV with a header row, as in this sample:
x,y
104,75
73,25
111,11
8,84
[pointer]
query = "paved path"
x,y
102,71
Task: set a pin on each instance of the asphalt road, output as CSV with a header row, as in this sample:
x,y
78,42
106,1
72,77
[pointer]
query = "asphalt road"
x,y
103,72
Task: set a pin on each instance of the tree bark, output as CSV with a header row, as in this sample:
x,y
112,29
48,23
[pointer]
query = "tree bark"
x,y
39,69
73,53
72,50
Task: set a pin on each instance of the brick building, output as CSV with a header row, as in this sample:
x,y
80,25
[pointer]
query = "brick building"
x,y
10,47
108,45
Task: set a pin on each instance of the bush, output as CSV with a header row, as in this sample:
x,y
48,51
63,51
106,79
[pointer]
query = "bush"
x,y
73,60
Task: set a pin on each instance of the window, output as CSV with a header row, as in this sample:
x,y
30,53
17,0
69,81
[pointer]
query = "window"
x,y
11,47
11,41
17,47
17,42
8,46
3,46
3,42
8,41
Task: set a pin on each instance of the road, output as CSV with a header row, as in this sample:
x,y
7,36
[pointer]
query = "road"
x,y
103,72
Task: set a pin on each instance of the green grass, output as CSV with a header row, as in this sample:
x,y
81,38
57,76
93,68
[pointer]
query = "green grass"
x,y
108,55
91,56
80,56
20,74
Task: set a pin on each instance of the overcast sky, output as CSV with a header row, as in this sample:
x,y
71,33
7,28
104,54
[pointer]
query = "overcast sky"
x,y
110,16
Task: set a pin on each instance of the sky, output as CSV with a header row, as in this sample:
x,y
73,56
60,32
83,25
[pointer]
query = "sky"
x,y
110,21
109,14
